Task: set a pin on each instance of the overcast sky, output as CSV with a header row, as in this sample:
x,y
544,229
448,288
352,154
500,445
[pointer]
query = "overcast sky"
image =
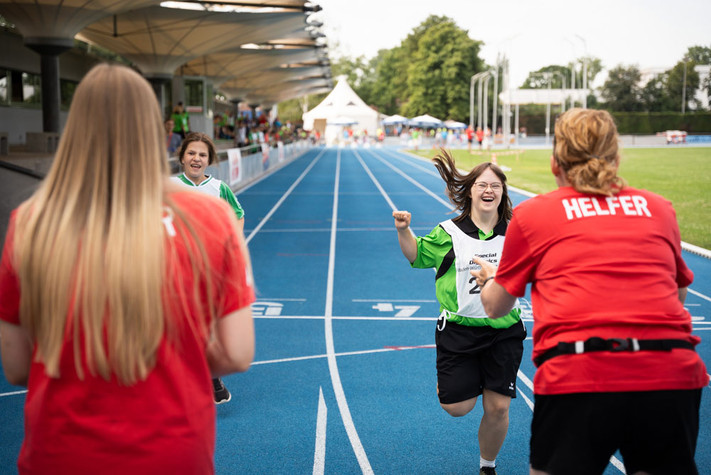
x,y
531,33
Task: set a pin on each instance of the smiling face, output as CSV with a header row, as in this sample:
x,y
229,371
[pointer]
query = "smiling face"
x,y
195,161
486,199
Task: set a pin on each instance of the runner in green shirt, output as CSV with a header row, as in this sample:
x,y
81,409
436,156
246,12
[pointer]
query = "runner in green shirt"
x,y
475,355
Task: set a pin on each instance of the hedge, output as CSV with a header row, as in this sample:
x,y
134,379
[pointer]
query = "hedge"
x,y
644,123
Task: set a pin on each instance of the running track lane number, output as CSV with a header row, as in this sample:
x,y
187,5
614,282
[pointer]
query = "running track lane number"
x,y
402,310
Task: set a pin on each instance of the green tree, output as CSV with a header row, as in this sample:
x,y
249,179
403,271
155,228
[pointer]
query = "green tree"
x,y
680,84
539,79
440,69
654,94
621,91
699,54
390,84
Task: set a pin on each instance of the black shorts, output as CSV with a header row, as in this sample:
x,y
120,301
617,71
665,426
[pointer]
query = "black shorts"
x,y
471,359
655,431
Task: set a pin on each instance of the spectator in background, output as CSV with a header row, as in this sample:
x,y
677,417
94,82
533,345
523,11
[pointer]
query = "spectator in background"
x,y
617,366
117,326
479,136
181,119
173,139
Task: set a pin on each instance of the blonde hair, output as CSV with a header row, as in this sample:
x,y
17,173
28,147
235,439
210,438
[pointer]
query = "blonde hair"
x,y
585,146
90,241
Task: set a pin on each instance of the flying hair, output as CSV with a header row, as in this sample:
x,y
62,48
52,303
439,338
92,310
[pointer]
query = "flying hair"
x,y
459,185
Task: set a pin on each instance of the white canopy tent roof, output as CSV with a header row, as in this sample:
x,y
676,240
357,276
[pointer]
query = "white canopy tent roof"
x,y
343,101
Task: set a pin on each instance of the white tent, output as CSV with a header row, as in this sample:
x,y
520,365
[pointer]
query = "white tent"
x,y
341,102
425,120
395,120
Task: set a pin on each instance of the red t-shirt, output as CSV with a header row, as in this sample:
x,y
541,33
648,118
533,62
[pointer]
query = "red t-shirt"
x,y
165,424
605,267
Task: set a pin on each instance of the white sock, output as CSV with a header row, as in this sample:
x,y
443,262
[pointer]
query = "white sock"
x,y
486,463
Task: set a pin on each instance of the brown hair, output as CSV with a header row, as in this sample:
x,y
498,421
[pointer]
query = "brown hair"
x,y
198,137
459,185
585,146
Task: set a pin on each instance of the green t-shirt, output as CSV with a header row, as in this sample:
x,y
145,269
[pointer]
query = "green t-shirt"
x,y
431,253
181,122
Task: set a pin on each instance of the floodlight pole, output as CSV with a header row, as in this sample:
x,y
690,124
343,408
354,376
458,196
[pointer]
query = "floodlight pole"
x,y
562,99
486,102
471,102
585,72
495,72
548,76
476,77
683,90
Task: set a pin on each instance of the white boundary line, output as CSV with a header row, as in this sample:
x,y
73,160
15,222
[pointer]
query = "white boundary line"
x,y
330,349
284,196
320,449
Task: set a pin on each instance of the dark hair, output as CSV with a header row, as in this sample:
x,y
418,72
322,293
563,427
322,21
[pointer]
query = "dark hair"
x,y
198,137
459,185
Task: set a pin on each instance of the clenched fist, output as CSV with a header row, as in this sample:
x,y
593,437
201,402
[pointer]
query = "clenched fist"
x,y
402,219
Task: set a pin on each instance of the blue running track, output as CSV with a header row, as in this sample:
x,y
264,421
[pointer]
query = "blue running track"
x,y
344,378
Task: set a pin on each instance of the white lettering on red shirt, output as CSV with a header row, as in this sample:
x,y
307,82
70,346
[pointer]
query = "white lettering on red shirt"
x,y
588,206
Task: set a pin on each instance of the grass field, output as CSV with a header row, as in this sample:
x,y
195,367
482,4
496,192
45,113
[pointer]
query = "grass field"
x,y
682,175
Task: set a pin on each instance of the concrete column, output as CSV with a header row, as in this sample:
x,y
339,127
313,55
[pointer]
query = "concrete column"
x,y
49,49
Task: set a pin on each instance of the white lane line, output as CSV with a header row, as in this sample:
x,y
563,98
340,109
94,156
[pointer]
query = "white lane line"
x,y
320,450
698,294
405,176
529,384
321,317
13,393
347,353
391,300
430,170
330,349
284,196
529,403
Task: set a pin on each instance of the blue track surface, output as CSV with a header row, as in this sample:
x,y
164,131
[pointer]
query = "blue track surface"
x,y
344,375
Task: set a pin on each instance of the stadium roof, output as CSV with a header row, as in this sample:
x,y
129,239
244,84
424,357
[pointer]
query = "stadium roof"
x,y
159,39
186,38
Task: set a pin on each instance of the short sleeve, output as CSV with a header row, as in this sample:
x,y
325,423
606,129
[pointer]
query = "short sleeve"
x,y
432,248
227,195
9,281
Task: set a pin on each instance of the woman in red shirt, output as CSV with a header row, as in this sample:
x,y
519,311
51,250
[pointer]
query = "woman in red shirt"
x,y
612,340
121,298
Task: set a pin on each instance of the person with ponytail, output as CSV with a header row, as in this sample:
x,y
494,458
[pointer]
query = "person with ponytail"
x,y
617,366
119,298
476,355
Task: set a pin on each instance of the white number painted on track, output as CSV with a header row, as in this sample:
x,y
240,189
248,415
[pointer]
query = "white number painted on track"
x,y
266,309
402,310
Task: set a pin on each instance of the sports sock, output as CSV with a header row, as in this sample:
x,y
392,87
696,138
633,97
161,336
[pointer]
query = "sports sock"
x,y
486,463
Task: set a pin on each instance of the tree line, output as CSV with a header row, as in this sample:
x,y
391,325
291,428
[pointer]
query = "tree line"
x,y
430,71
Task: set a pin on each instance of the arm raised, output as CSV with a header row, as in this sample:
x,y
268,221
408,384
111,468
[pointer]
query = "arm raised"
x,y
408,243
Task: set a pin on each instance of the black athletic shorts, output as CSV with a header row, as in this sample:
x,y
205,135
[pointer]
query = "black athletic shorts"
x,y
471,359
655,432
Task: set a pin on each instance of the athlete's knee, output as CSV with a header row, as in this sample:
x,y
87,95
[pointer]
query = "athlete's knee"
x,y
496,405
459,409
